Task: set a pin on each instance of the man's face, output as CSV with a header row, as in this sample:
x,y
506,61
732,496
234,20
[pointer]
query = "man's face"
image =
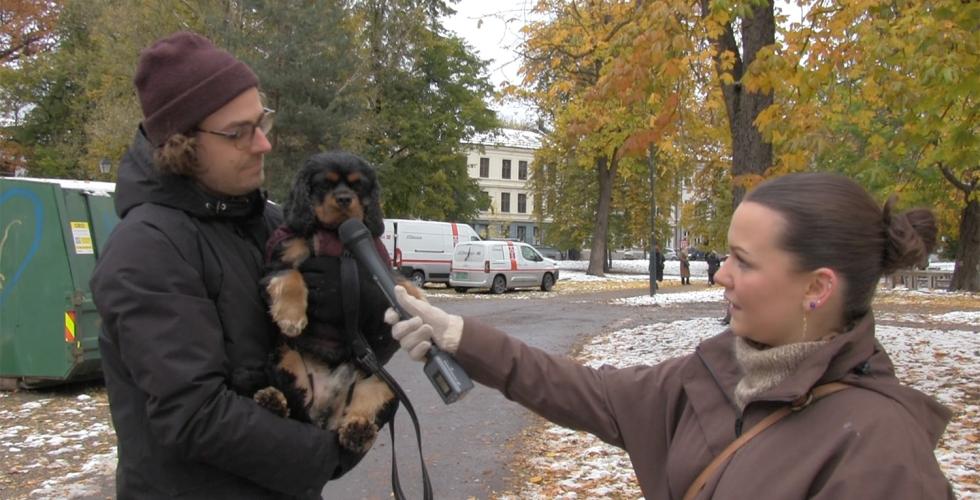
x,y
228,168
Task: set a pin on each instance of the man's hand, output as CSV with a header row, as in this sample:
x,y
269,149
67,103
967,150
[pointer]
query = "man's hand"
x,y
428,324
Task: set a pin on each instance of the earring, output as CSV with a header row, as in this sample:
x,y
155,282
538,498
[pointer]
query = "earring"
x,y
813,305
803,337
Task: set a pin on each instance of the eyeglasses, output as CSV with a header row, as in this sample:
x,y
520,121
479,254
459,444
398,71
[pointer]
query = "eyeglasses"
x,y
243,134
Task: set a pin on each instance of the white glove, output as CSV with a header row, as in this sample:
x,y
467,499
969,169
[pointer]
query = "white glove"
x,y
428,324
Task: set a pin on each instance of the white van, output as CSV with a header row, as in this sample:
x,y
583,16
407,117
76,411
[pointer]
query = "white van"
x,y
500,266
422,250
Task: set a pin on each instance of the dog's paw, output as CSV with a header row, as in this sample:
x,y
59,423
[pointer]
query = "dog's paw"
x,y
273,400
292,327
357,434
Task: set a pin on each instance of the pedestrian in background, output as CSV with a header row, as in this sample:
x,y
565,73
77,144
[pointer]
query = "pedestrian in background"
x,y
659,259
685,268
713,264
799,376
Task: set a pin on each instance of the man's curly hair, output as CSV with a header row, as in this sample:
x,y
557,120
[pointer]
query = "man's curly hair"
x,y
178,156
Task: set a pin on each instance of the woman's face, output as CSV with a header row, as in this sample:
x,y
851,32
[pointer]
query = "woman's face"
x,y
762,284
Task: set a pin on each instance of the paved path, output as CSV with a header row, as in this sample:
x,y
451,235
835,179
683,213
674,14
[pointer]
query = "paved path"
x,y
469,445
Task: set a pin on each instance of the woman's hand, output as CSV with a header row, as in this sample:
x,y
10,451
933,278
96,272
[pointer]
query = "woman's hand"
x,y
428,324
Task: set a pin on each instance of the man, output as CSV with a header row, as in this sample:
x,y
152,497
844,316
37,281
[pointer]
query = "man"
x,y
713,264
178,290
659,259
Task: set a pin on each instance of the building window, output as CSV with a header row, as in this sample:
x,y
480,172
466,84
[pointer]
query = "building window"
x,y
505,202
522,204
486,196
534,231
505,170
484,167
522,170
522,232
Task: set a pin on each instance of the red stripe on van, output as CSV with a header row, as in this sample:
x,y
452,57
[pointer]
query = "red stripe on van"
x,y
513,256
455,234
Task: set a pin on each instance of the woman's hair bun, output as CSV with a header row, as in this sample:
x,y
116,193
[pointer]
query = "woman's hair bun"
x,y
909,236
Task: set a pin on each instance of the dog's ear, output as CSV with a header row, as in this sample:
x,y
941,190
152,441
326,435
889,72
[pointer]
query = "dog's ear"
x,y
373,217
298,211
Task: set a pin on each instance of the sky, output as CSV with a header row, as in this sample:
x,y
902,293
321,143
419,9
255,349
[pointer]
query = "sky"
x,y
493,30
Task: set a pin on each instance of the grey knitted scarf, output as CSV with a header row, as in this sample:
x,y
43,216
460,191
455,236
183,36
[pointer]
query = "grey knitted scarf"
x,y
765,368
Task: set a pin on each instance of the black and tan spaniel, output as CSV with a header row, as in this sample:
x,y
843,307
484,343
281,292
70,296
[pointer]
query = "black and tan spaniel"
x,y
316,377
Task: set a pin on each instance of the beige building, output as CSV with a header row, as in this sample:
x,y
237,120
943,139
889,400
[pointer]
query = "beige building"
x,y
500,162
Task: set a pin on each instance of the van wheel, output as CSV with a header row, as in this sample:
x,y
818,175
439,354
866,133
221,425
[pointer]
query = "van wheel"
x,y
548,282
418,279
499,284
461,289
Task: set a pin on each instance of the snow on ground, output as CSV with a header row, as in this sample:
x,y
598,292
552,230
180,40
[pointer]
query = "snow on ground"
x,y
566,464
716,294
577,276
56,446
955,317
640,267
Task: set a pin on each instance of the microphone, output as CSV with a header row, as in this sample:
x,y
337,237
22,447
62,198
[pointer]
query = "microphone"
x,y
443,371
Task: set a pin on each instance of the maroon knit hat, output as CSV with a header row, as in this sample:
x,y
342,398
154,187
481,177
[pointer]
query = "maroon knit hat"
x,y
182,79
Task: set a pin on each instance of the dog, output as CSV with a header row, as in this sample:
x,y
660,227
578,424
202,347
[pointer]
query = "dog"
x,y
315,375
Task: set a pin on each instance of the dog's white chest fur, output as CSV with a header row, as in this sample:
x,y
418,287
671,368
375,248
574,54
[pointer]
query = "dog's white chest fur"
x,y
329,390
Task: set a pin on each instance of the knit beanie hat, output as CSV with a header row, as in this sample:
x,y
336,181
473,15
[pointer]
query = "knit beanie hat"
x,y
183,78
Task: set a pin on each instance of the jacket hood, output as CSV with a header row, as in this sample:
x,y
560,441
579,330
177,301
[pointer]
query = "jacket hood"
x,y
854,357
139,182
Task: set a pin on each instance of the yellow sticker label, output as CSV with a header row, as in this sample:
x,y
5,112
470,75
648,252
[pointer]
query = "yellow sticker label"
x,y
82,237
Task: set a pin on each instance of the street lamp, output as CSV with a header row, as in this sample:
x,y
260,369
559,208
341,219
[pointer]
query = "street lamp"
x,y
105,166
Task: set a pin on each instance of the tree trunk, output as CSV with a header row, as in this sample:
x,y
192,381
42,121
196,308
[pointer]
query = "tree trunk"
x,y
750,153
652,165
597,257
966,275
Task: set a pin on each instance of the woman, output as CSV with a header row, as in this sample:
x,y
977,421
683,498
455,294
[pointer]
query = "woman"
x,y
807,251
685,268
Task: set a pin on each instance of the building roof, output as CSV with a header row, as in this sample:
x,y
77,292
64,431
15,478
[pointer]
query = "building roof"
x,y
509,138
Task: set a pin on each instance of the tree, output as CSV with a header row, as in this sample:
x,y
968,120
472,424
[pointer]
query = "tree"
x,y
607,75
26,29
746,95
429,93
306,55
885,93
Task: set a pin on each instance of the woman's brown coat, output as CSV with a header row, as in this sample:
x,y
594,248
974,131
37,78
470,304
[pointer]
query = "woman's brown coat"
x,y
874,441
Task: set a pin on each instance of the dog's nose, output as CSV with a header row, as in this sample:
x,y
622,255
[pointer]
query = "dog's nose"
x,y
344,200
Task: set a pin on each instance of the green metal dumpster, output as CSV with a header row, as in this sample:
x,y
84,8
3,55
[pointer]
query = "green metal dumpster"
x,y
51,231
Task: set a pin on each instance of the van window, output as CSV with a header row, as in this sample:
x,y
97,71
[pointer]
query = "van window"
x,y
468,253
497,253
529,253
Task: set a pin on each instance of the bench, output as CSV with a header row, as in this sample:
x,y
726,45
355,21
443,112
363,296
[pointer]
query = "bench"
x,y
914,279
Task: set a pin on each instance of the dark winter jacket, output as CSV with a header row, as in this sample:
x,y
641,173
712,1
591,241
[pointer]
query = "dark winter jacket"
x,y
873,441
177,286
713,262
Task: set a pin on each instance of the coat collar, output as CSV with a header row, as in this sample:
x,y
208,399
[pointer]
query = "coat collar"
x,y
840,356
854,357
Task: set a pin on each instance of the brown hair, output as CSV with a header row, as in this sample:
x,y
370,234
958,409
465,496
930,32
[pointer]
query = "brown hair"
x,y
833,222
178,156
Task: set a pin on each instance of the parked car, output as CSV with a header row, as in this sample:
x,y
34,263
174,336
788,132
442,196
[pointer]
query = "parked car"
x,y
634,254
670,254
549,252
695,254
500,266
422,250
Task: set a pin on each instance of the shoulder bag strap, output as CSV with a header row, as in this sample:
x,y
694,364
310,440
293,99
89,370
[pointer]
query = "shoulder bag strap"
x,y
808,399
362,351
